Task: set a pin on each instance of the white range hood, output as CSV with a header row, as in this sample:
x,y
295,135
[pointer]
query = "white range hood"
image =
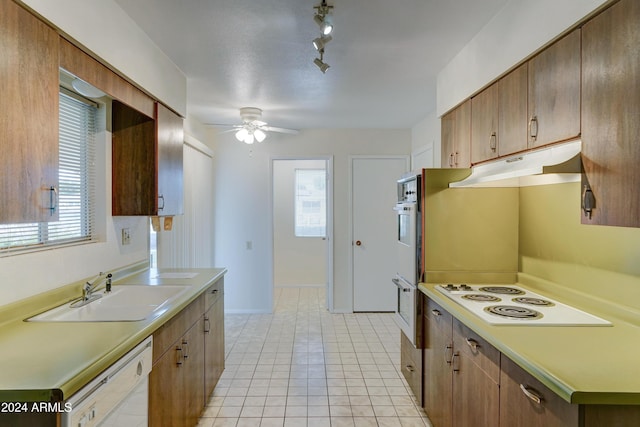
x,y
552,165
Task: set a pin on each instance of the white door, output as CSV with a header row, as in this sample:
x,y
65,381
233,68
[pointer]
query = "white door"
x,y
374,194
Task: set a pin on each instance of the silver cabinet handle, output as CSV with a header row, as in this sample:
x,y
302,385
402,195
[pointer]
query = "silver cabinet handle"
x,y
409,368
533,127
436,313
185,345
160,197
448,354
456,356
53,199
207,325
493,142
180,356
451,160
531,394
473,344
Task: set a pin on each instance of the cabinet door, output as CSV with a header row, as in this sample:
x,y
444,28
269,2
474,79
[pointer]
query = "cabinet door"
x,y
476,378
456,137
170,137
29,116
213,345
512,116
193,372
554,92
447,135
437,355
526,402
484,125
167,404
610,111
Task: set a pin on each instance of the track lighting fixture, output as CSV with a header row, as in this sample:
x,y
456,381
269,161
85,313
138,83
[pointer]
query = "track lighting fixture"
x,y
325,21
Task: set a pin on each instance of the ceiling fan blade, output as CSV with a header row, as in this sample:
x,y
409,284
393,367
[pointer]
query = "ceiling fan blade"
x,y
281,130
223,125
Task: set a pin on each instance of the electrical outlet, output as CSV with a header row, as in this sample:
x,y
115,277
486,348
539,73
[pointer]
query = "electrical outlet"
x,y
126,236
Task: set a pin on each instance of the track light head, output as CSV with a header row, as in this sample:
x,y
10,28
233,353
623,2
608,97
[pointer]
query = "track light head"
x,y
322,65
320,42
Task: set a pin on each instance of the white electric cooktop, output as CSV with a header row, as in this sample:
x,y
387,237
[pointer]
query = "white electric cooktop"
x,y
513,305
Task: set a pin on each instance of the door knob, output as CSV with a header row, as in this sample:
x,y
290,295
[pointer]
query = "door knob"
x,y
358,243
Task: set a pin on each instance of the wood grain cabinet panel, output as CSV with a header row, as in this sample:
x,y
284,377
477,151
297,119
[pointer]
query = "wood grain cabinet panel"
x,y
188,357
29,116
456,137
411,366
554,92
512,112
610,114
146,162
484,125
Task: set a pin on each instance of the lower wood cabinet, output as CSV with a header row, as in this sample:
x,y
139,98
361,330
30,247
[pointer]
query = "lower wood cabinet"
x,y
468,382
461,373
188,361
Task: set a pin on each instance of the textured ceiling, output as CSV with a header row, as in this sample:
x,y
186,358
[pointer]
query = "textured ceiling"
x,y
384,57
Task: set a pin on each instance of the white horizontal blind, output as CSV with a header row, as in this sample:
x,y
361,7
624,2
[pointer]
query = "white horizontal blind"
x,y
76,190
310,203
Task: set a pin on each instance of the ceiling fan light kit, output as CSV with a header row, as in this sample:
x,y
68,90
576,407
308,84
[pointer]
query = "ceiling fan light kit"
x,y
324,20
253,128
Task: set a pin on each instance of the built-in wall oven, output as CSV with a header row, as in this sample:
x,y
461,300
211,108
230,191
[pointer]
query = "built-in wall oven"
x,y
409,250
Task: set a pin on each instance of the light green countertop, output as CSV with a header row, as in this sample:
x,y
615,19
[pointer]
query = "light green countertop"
x,y
44,361
582,364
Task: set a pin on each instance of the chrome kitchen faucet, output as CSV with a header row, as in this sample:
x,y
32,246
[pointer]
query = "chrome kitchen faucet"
x,y
90,287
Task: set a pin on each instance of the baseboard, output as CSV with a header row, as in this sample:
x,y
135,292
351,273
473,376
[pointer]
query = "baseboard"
x,y
302,286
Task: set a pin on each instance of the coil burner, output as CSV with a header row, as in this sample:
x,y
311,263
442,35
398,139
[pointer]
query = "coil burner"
x,y
481,298
513,312
533,301
504,290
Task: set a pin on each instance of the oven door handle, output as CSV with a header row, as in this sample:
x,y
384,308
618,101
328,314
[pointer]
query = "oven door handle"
x,y
396,282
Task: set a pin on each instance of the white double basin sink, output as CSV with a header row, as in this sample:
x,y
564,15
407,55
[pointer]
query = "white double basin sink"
x,y
125,303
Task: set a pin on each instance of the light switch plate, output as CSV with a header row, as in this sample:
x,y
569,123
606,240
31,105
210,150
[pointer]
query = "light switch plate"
x,y
126,236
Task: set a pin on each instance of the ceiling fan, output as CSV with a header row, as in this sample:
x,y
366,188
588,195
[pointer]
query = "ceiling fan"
x,y
252,128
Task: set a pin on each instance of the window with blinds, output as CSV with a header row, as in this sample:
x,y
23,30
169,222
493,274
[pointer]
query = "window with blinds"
x,y
76,189
310,203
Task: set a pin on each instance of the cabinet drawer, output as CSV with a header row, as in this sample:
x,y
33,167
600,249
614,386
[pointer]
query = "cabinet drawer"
x,y
479,351
525,401
215,291
411,365
170,332
435,315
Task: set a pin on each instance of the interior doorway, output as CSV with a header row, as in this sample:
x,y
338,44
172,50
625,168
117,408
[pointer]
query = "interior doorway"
x,y
302,223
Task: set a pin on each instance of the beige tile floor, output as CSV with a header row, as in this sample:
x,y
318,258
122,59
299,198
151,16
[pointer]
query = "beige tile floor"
x,y
302,366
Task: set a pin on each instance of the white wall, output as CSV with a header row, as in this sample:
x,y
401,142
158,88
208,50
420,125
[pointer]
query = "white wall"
x,y
297,261
107,31
521,28
425,143
242,211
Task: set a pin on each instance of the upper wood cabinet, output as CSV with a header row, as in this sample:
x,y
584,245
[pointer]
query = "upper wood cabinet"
x,y
147,162
499,117
28,117
456,137
512,111
610,114
484,125
554,92
169,140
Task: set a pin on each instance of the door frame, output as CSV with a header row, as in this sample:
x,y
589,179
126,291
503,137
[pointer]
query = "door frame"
x,y
329,286
352,158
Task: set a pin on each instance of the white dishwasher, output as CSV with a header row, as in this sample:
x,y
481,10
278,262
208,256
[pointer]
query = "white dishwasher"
x,y
116,397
